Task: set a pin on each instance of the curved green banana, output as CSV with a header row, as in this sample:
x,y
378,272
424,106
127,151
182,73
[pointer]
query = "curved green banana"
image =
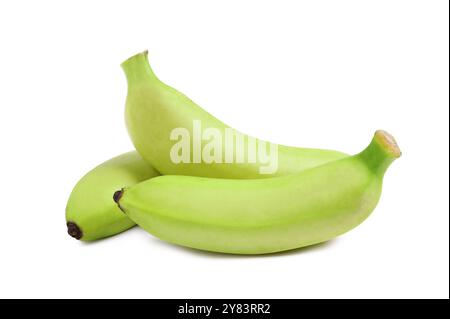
x,y
262,215
91,213
155,113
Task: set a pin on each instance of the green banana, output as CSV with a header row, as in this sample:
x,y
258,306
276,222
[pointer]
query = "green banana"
x,y
91,213
262,215
154,112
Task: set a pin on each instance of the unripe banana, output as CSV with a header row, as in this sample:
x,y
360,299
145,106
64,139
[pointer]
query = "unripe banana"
x,y
154,111
262,215
91,213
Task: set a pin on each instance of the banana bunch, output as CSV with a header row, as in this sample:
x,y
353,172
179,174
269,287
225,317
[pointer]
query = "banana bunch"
x,y
196,182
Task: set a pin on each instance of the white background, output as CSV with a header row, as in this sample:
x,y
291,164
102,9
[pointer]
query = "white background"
x,y
309,73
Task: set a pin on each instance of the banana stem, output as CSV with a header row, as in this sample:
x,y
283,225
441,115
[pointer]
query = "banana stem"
x,y
381,152
137,69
